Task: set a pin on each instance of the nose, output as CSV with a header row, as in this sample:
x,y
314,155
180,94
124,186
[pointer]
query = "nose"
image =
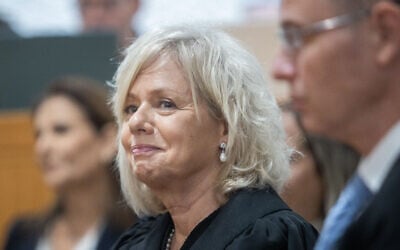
x,y
284,67
141,121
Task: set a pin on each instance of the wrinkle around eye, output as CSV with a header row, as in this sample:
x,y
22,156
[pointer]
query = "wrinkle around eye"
x,y
130,109
167,104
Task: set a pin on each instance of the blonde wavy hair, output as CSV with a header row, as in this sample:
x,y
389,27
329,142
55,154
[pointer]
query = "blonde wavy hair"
x,y
230,81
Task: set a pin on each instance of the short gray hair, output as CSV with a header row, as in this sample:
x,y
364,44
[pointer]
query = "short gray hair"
x,y
230,81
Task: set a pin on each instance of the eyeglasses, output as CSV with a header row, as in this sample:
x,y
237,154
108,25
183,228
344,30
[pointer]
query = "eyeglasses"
x,y
294,37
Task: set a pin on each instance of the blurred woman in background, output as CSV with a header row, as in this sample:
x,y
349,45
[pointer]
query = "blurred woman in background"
x,y
75,147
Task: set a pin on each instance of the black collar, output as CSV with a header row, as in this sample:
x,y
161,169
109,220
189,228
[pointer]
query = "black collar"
x,y
242,209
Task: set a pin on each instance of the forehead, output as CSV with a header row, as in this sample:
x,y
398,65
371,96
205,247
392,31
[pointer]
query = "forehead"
x,y
303,12
164,73
93,3
60,108
66,102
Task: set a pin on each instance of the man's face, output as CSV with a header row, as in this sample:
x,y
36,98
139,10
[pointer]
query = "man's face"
x,y
331,76
107,15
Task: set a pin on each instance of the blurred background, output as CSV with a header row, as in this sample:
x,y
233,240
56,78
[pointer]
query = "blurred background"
x,y
47,17
44,39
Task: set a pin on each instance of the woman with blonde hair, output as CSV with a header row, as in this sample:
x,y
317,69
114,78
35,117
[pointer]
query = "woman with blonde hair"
x,y
201,146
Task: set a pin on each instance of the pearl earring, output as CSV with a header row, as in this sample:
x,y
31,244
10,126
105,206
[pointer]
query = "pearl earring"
x,y
222,155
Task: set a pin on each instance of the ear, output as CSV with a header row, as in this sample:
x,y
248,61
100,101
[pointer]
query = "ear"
x,y
386,20
223,131
108,140
135,4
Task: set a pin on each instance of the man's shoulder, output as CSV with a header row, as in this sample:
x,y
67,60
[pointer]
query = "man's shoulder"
x,y
379,226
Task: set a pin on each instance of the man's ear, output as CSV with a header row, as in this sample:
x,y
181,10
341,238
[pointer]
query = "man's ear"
x,y
386,19
108,148
134,4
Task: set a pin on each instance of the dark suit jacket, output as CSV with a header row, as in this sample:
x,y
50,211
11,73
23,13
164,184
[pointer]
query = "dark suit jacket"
x,y
378,227
25,236
251,219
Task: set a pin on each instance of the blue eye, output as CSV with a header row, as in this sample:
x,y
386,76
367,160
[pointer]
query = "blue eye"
x,y
130,109
167,104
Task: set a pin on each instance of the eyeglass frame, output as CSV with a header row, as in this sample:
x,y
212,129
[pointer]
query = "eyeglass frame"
x,y
294,37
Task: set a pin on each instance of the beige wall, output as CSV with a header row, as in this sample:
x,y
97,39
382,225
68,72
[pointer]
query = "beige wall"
x,y
262,40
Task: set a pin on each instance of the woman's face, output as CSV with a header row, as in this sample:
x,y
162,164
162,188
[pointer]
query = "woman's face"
x,y
164,140
303,191
67,146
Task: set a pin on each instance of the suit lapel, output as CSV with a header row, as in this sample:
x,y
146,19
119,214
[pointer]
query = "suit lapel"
x,y
376,225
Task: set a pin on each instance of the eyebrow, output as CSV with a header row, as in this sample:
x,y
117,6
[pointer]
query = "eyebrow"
x,y
289,23
293,21
158,91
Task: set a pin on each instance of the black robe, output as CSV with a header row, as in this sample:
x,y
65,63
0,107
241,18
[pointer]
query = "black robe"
x,y
24,235
251,219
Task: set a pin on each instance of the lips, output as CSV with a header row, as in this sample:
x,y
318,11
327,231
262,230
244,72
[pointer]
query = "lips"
x,y
143,149
48,164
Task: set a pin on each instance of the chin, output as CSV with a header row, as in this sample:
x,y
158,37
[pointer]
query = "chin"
x,y
151,177
313,126
56,184
142,172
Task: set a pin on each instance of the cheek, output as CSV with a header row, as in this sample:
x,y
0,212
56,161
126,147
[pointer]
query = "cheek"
x,y
311,180
84,152
304,182
80,148
125,137
304,174
314,73
69,150
324,73
298,176
190,141
324,59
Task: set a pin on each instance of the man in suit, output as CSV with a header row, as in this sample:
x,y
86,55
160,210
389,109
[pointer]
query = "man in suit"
x,y
341,59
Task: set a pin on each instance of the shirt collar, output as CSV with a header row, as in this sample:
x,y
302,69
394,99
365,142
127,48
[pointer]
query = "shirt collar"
x,y
374,168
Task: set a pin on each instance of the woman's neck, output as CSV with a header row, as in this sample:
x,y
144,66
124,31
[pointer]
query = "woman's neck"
x,y
190,205
85,205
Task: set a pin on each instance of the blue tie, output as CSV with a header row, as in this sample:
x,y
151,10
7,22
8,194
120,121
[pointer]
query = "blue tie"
x,y
353,200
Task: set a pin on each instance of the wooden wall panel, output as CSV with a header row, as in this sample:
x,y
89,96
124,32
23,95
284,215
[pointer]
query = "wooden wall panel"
x,y
21,188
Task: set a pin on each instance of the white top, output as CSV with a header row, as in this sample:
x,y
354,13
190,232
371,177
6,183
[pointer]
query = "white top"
x,y
87,242
374,168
